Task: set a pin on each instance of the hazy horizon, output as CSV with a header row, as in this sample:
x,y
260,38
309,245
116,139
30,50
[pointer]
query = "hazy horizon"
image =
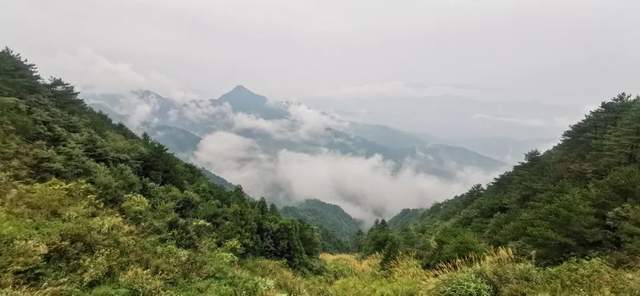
x,y
472,70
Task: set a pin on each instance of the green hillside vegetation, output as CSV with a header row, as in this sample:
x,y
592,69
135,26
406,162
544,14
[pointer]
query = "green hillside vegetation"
x,y
337,228
86,203
405,218
89,208
580,199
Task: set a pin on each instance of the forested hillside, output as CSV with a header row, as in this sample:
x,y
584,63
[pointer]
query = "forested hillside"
x,y
89,208
338,230
405,218
579,199
87,203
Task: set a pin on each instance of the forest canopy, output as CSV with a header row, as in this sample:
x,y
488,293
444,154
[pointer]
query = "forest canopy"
x,y
87,207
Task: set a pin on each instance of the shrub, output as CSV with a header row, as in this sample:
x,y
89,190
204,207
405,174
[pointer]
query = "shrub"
x,y
463,284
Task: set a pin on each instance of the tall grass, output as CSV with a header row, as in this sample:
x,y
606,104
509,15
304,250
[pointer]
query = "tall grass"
x,y
497,272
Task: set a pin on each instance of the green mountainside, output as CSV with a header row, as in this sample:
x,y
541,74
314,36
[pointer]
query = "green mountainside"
x,y
579,199
86,202
89,208
338,229
405,218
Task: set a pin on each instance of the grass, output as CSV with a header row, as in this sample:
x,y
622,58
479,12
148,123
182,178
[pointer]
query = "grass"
x,y
497,273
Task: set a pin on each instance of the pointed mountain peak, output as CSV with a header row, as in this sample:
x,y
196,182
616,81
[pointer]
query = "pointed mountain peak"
x,y
241,97
241,89
244,100
241,92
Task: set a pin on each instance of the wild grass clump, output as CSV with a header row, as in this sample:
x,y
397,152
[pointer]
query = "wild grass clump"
x,y
497,272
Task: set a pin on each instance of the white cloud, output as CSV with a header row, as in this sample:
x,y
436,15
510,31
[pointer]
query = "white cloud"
x,y
302,123
366,187
545,51
223,151
277,127
400,90
311,123
91,71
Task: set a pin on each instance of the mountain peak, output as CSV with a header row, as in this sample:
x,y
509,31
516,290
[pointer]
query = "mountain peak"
x,y
240,88
244,100
242,94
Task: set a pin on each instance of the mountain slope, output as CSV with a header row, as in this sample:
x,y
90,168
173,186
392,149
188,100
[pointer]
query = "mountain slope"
x,y
179,141
405,218
268,124
386,136
341,227
579,199
258,135
87,206
243,100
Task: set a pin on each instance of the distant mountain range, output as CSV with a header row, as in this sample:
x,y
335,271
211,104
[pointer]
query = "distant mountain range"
x,y
279,126
508,150
179,126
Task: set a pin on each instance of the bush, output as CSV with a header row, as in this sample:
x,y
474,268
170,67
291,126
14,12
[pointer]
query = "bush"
x,y
463,284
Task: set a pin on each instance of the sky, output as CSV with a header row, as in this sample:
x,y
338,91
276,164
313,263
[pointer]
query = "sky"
x,y
449,68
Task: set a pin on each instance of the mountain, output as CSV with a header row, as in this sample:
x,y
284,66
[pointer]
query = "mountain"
x,y
245,101
267,122
339,226
579,199
267,132
178,140
405,218
386,136
112,114
87,207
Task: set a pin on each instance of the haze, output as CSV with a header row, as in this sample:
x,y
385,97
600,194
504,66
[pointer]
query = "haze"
x,y
372,61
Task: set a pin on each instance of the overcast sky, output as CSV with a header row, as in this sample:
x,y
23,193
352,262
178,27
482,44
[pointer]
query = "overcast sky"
x,y
458,68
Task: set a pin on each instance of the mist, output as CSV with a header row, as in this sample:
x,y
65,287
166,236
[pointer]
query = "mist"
x,y
366,187
559,57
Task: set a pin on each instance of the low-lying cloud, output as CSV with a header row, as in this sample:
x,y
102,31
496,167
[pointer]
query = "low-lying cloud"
x,y
285,160
366,187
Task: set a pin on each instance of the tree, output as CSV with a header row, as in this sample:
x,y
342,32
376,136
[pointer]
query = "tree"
x,y
390,252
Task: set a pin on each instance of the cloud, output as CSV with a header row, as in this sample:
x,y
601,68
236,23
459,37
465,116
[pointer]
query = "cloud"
x,y
302,123
345,50
311,123
93,72
366,187
224,151
400,90
277,127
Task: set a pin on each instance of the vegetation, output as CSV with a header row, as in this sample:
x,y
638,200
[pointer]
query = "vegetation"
x,y
498,272
337,228
580,199
89,208
405,218
86,203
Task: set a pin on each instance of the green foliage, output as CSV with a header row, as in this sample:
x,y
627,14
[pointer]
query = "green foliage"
x,y
405,218
88,208
86,204
449,244
578,199
390,253
464,284
377,239
337,228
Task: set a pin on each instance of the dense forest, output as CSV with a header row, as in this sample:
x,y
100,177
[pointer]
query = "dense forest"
x,y
84,200
89,208
579,199
338,230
